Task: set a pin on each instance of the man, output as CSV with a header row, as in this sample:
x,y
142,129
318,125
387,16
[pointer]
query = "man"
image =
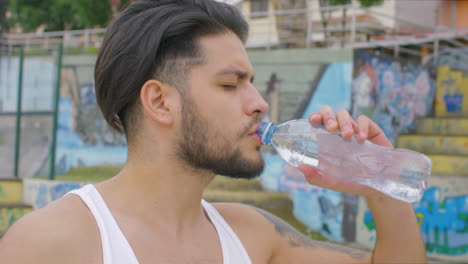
x,y
175,77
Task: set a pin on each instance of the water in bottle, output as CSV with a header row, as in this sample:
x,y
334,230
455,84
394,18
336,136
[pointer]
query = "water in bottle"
x,y
400,173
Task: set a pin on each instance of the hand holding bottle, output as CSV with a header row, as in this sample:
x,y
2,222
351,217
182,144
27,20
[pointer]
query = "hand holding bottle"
x,y
395,220
364,129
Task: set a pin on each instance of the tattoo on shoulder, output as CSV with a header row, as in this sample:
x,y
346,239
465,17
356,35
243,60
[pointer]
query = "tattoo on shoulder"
x,y
297,239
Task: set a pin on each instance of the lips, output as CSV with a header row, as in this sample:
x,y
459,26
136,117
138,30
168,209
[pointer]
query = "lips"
x,y
254,130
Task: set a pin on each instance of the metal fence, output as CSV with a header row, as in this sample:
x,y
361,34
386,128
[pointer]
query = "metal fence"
x,y
28,110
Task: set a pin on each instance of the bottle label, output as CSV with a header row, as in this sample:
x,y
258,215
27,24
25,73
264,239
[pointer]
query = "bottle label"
x,y
411,176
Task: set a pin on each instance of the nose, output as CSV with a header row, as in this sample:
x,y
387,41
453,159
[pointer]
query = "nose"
x,y
256,105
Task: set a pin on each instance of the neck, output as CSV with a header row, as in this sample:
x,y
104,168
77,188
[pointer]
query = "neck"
x,y
163,191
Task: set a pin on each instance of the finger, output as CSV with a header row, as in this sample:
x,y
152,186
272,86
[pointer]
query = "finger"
x,y
363,125
316,178
328,118
309,171
344,123
371,131
315,118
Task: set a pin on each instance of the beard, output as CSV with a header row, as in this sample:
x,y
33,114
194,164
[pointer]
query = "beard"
x,y
204,147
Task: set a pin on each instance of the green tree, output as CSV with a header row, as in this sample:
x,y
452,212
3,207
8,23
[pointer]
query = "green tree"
x,y
3,22
61,14
326,14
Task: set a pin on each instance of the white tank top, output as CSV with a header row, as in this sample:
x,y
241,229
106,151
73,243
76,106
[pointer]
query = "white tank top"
x,y
117,250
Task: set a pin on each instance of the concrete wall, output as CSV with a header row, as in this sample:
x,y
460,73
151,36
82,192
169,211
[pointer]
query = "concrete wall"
x,y
462,11
296,70
418,13
263,31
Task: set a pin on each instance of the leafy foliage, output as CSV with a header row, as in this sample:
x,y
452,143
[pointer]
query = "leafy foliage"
x,y
3,22
369,3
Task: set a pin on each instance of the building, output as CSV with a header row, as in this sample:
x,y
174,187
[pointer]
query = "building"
x,y
305,23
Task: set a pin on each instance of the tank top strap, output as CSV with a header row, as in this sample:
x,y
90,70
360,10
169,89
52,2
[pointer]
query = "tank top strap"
x,y
115,247
234,251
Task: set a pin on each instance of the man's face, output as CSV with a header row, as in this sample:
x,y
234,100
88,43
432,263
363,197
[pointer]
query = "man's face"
x,y
221,111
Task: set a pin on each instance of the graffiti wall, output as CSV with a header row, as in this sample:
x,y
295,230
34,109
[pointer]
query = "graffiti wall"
x,y
319,209
9,215
39,193
452,84
442,215
84,138
394,94
442,212
391,92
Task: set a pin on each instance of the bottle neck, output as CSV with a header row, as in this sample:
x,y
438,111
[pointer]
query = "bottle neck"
x,y
265,132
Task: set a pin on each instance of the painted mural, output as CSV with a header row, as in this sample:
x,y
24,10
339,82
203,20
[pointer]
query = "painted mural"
x,y
444,223
90,148
452,84
391,92
379,90
83,137
39,193
319,209
10,215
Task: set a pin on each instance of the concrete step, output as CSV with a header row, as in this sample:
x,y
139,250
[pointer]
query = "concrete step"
x,y
435,144
11,191
442,126
10,212
449,165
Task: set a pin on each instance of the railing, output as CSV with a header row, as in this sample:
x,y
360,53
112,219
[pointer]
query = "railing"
x,y
360,28
75,38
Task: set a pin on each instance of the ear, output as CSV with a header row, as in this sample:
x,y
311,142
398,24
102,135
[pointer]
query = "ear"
x,y
157,100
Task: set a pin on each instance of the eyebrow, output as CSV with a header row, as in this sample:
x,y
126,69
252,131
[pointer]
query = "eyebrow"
x,y
233,71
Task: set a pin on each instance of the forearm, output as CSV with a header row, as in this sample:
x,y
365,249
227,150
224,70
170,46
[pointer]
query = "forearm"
x,y
399,238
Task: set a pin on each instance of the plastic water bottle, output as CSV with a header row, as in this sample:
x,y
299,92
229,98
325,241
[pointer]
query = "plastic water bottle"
x,y
399,173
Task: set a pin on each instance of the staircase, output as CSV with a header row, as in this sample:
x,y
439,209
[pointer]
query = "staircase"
x,y
11,203
444,140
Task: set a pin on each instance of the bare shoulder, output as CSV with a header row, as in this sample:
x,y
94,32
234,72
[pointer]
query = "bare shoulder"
x,y
285,242
244,217
57,233
253,229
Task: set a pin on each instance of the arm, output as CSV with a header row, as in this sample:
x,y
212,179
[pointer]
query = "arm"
x,y
290,246
398,235
399,239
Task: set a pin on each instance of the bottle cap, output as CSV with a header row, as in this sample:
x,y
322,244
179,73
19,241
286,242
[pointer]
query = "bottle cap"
x,y
265,132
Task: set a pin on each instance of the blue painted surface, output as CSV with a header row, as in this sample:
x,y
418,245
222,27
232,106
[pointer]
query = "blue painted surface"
x,y
444,223
319,209
334,89
73,152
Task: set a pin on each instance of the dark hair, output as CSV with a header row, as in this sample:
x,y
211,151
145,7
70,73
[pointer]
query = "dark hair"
x,y
155,39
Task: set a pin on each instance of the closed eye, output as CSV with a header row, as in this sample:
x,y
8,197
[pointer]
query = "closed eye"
x,y
229,86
